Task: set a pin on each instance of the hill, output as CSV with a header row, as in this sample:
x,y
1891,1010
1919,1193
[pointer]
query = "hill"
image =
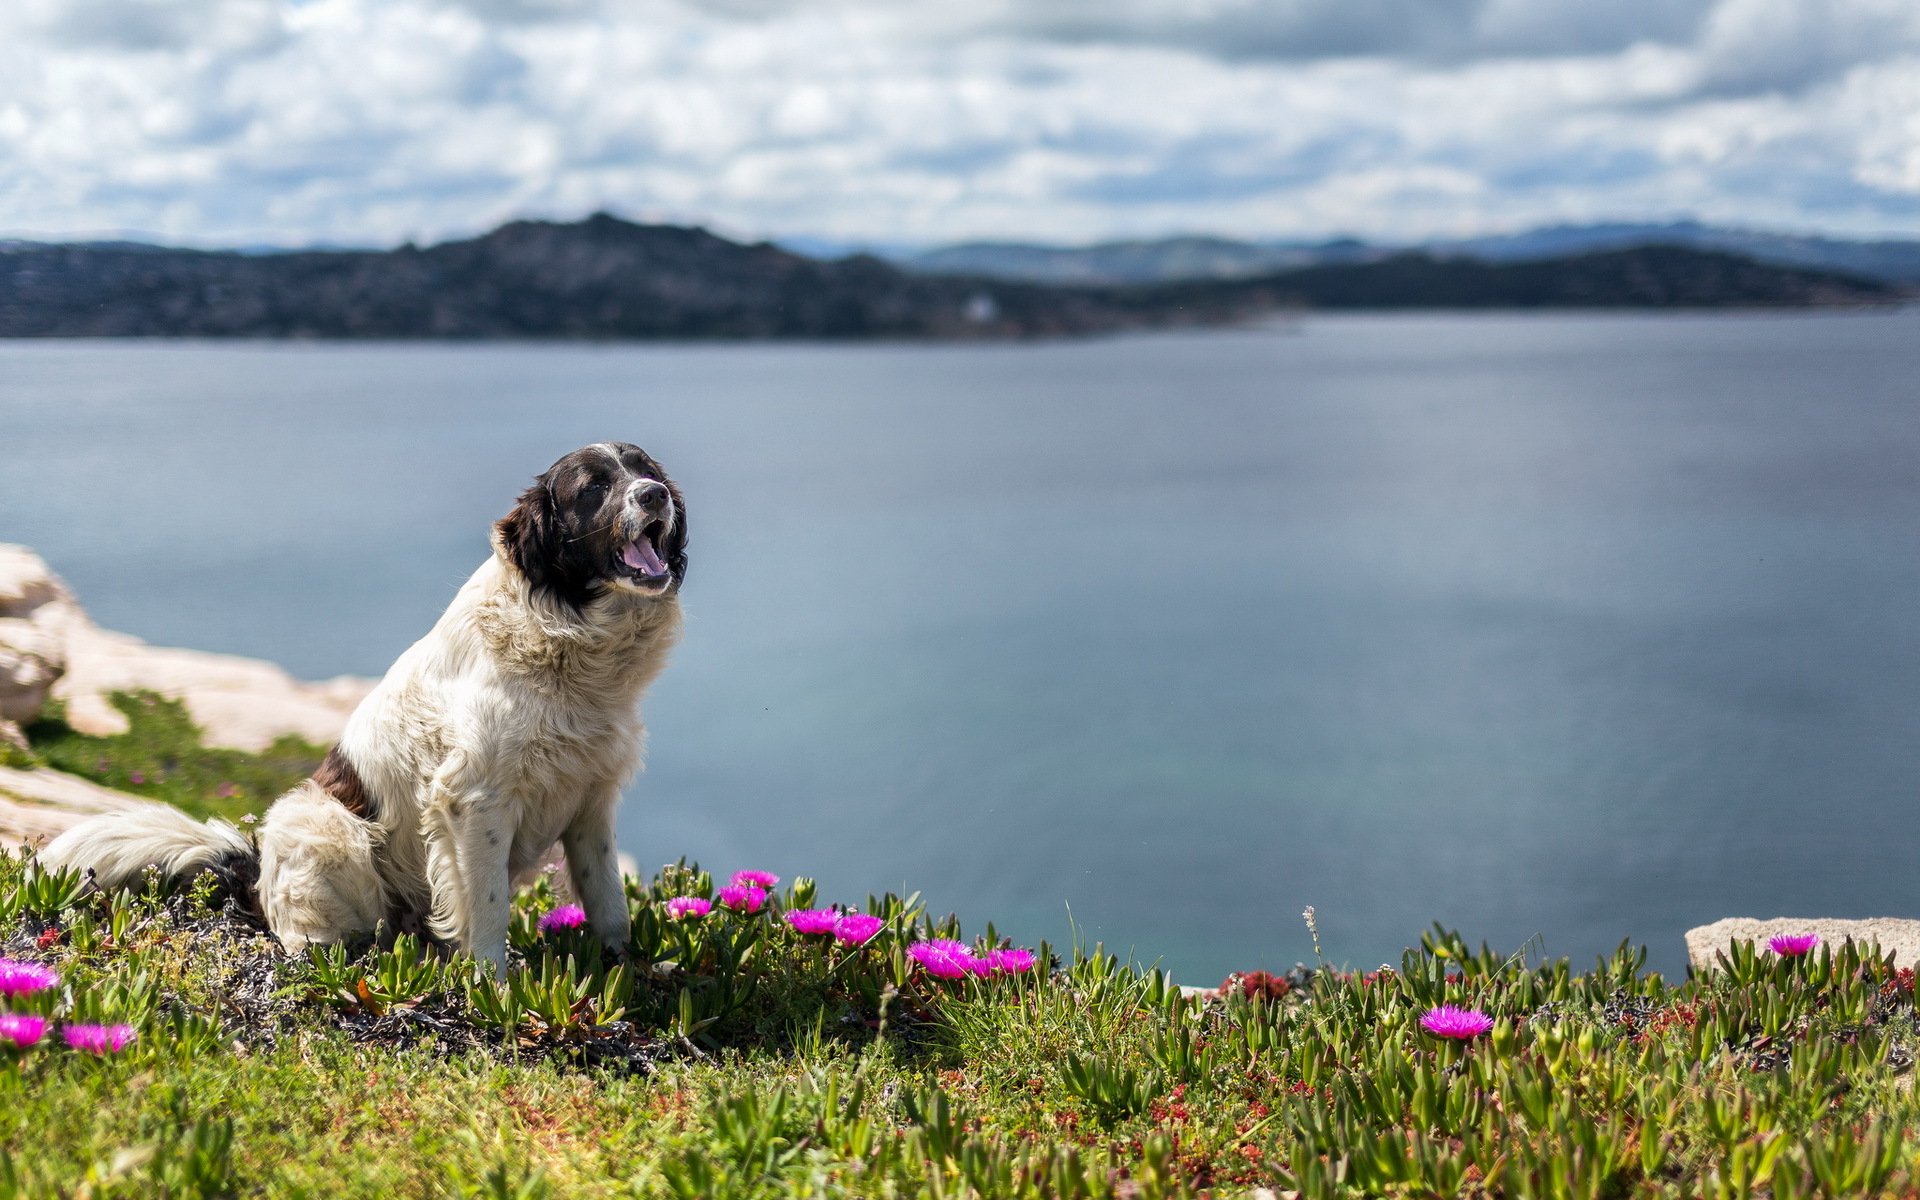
x,y
1888,260
1143,261
1161,260
1641,277
599,278
607,278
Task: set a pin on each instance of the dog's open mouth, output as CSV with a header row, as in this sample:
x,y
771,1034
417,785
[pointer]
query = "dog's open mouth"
x,y
640,559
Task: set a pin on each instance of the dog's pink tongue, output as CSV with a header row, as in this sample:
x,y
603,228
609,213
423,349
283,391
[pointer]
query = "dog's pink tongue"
x,y
641,557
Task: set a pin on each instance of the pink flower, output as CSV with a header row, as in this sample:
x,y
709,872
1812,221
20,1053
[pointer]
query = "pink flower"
x,y
944,958
742,899
20,1030
1461,1024
228,791
813,920
567,916
138,777
25,978
1793,945
759,879
1014,962
682,907
98,1039
857,929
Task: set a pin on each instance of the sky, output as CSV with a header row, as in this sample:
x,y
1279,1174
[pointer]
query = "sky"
x,y
909,122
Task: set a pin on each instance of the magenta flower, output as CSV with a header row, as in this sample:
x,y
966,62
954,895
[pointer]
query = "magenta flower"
x,y
944,958
1014,962
682,907
227,791
567,916
25,978
759,879
20,1030
813,920
138,777
857,929
742,898
98,1039
1793,945
1461,1024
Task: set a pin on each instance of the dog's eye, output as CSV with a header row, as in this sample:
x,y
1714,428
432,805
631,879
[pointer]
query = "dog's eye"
x,y
593,490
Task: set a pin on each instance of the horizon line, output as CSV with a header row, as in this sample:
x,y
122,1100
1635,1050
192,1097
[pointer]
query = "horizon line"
x,y
888,247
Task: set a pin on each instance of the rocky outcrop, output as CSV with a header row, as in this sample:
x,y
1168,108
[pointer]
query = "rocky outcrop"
x,y
50,648
1896,935
37,805
239,702
34,613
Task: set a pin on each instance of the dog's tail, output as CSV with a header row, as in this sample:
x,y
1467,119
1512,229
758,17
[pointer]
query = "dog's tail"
x,y
119,847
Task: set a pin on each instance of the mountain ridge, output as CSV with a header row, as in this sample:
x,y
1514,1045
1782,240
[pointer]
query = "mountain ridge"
x,y
1180,257
607,278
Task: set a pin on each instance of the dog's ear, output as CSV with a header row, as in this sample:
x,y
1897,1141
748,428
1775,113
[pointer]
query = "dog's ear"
x,y
676,547
530,534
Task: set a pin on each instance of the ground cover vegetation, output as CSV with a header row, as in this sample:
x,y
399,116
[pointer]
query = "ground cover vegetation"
x,y
754,1040
161,756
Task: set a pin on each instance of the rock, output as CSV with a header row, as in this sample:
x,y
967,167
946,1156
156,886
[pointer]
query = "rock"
x,y
33,604
49,646
26,582
1898,935
239,702
38,805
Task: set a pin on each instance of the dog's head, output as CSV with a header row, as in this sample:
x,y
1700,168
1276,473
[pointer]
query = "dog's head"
x,y
603,520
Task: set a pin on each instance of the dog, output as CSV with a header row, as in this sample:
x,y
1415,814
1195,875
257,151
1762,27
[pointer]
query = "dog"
x,y
512,725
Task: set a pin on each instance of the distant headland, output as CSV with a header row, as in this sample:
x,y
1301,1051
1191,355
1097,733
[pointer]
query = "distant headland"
x,y
610,279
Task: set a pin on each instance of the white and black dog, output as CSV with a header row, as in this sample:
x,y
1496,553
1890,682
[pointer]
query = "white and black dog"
x,y
511,726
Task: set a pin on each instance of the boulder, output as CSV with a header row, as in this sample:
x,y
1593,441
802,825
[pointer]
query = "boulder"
x,y
1898,935
49,647
32,639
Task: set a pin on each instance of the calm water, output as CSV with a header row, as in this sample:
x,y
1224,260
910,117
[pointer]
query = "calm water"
x,y
1584,627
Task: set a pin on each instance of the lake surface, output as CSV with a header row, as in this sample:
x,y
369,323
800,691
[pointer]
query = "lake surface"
x,y
1584,627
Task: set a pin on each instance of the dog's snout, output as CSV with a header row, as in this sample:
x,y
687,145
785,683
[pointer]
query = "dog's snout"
x,y
649,494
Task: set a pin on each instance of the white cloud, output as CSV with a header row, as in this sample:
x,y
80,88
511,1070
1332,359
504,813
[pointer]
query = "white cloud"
x,y
1786,45
371,121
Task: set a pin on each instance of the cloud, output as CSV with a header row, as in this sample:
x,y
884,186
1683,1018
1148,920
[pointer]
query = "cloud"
x,y
374,121
1293,30
1788,45
146,25
1432,30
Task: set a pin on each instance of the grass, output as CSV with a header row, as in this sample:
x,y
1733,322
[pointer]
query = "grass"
x,y
734,1057
161,756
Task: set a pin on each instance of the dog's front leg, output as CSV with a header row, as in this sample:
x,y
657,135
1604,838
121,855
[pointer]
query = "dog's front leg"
x,y
468,843
594,866
484,846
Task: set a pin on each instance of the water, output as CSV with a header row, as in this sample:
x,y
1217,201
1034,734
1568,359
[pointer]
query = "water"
x,y
1581,627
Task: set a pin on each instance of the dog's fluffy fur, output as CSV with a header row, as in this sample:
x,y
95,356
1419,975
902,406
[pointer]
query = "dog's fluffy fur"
x,y
511,726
